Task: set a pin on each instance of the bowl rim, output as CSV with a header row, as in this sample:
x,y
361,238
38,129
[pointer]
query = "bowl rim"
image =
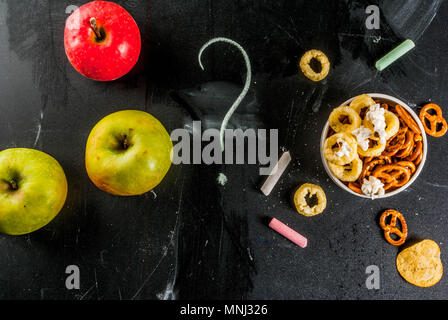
x,y
417,172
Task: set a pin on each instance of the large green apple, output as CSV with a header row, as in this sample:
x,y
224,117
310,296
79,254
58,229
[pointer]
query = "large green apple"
x,y
128,153
33,189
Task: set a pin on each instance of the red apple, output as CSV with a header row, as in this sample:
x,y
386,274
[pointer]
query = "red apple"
x,y
102,40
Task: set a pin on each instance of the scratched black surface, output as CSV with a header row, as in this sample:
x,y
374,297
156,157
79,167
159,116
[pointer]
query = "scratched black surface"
x,y
192,238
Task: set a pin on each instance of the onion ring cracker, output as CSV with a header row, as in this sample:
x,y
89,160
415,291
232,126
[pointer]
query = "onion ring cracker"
x,y
420,263
392,125
354,120
361,103
308,71
301,203
348,172
332,146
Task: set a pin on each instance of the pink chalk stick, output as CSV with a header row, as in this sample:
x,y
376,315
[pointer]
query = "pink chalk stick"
x,y
288,233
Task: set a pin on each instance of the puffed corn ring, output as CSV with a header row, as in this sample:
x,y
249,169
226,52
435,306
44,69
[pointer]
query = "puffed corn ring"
x,y
349,172
309,190
338,115
372,151
361,102
332,146
392,125
308,71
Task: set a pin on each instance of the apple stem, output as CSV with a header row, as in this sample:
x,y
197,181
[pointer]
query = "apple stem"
x,y
95,28
125,142
13,185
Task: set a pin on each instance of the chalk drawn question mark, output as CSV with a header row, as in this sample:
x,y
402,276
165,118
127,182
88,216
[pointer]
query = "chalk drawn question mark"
x,y
246,85
70,9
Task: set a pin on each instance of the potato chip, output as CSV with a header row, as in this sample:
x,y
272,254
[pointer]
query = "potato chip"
x,y
420,264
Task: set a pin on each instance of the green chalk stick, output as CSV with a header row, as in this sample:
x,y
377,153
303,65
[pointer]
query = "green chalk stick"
x,y
394,55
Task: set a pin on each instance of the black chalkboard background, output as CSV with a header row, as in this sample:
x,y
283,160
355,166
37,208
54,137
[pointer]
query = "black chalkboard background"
x,y
192,238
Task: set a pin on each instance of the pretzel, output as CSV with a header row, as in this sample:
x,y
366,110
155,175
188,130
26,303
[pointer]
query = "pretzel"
x,y
355,186
416,153
407,164
370,165
419,158
433,120
408,120
407,146
391,227
392,175
395,143
387,159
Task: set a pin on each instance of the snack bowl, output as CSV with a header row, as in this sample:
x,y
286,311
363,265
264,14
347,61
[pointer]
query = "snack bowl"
x,y
389,100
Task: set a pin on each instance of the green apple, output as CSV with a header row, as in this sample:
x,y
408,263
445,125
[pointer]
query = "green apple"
x,y
128,153
33,189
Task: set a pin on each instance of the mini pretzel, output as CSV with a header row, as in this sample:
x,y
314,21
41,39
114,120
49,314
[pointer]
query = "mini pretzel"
x,y
370,165
392,228
416,153
406,117
308,71
387,159
392,175
419,158
407,164
395,143
407,146
433,120
355,186
384,106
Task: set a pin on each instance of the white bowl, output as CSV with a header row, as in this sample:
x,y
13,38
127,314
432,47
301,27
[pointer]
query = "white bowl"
x,y
390,100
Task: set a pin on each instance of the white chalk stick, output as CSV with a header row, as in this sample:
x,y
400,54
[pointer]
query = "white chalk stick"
x,y
276,173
